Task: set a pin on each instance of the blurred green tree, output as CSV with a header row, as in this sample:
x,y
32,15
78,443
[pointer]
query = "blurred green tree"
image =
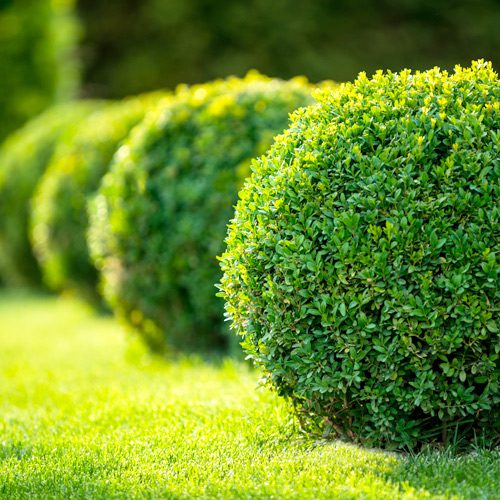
x,y
137,45
37,63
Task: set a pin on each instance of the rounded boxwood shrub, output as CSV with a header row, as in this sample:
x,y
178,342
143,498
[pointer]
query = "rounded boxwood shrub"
x,y
361,264
23,159
59,216
159,219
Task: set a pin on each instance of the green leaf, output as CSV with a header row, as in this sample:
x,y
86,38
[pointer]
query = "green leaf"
x,y
342,309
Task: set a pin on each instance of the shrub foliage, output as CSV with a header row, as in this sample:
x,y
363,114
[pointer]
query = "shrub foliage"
x,y
23,159
59,216
361,265
159,219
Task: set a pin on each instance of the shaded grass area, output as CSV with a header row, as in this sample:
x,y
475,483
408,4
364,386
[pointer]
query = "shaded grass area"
x,y
85,412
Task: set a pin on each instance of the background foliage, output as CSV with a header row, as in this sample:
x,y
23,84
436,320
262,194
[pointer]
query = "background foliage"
x,y
131,46
23,159
136,45
37,63
159,219
59,207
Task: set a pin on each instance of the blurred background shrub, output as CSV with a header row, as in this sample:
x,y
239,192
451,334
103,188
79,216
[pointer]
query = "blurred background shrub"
x,y
38,67
59,215
160,217
135,45
23,159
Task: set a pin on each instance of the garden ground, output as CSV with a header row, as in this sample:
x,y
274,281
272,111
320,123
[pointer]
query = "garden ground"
x,y
86,412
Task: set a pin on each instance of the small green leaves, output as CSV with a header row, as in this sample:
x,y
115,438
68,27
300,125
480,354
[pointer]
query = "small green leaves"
x,y
391,183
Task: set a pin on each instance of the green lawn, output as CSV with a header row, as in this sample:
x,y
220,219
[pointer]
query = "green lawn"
x,y
85,412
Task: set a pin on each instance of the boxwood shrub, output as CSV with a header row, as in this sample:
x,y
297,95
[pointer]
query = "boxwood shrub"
x,y
59,216
23,159
159,219
361,265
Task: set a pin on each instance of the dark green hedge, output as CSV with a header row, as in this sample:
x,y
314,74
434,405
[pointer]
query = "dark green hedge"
x,y
59,216
362,262
134,45
37,60
159,219
23,159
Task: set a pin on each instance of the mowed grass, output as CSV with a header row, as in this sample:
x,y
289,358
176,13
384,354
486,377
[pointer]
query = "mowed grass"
x,y
85,412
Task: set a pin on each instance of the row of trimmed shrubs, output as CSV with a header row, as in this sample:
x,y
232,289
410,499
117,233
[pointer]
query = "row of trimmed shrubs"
x,y
159,216
360,265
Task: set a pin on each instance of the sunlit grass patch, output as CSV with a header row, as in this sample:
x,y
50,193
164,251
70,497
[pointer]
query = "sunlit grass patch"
x,y
86,412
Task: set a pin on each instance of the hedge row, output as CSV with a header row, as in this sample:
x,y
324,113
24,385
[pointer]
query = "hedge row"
x,y
159,219
361,264
59,213
188,157
23,159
